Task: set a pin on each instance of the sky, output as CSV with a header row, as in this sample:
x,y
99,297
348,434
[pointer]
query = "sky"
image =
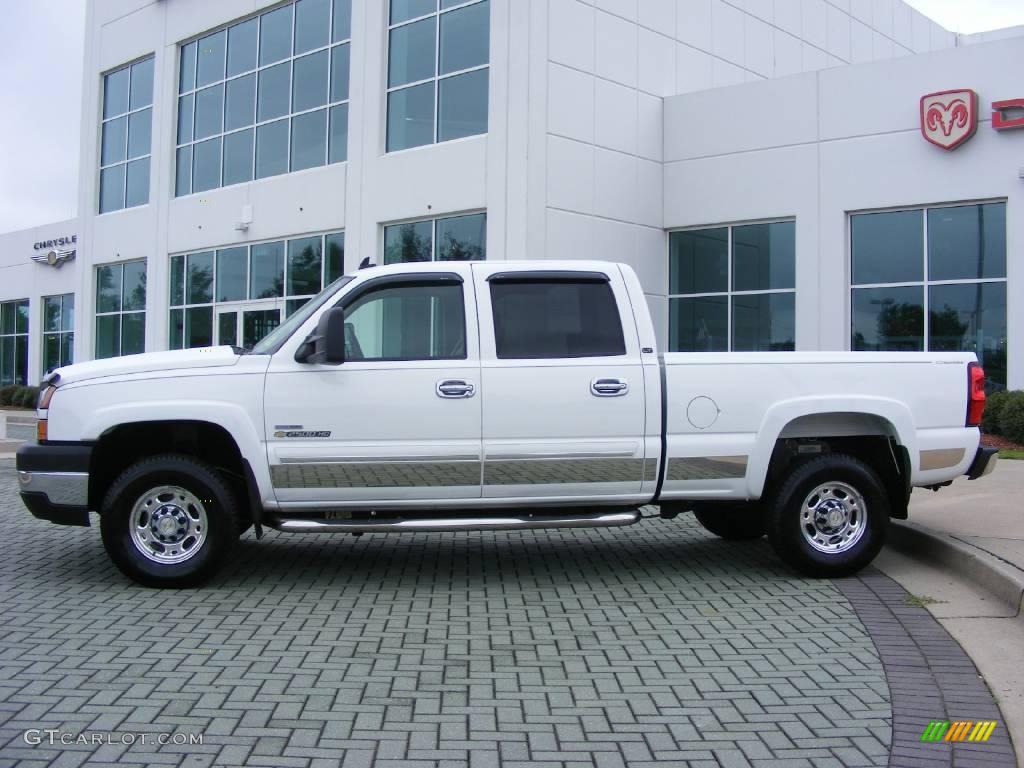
x,y
41,47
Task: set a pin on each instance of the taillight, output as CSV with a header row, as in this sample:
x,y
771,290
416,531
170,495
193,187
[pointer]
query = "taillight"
x,y
975,394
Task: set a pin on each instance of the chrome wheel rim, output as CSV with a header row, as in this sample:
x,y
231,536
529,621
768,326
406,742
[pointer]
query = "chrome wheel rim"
x,y
833,517
168,524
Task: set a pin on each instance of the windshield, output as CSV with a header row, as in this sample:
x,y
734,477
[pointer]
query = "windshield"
x,y
272,342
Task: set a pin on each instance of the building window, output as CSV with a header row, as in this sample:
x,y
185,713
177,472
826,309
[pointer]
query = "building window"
x,y
437,71
120,309
932,279
58,331
733,288
455,238
266,96
126,136
235,296
14,342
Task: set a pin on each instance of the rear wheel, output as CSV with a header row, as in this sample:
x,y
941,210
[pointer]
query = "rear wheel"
x,y
169,521
829,517
736,522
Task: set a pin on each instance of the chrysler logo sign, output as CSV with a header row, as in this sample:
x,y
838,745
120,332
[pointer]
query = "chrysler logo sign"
x,y
949,118
55,252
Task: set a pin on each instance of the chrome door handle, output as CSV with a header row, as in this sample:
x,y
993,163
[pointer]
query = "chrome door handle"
x,y
454,388
609,387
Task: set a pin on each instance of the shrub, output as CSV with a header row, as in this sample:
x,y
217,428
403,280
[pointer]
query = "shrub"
x,y
994,405
29,397
1011,419
7,394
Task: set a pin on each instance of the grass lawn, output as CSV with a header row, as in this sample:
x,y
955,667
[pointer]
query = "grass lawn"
x,y
1009,453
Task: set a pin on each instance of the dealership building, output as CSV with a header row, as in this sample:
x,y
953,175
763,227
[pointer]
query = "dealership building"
x,y
796,174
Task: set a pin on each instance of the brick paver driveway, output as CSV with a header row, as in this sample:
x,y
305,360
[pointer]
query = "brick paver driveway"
x,y
650,645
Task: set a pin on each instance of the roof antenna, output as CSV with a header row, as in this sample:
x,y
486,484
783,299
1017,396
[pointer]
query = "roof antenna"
x,y
365,263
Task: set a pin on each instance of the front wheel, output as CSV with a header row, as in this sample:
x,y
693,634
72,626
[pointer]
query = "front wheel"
x,y
169,521
829,517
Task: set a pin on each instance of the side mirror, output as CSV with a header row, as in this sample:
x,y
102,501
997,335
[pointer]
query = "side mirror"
x,y
327,344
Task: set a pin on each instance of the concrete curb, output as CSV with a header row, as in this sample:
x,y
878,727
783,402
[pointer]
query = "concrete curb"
x,y
1000,579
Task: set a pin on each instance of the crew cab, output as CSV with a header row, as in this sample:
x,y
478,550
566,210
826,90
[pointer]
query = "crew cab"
x,y
455,396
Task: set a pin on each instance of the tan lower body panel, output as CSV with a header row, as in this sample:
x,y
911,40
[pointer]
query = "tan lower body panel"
x,y
707,468
941,458
565,471
398,474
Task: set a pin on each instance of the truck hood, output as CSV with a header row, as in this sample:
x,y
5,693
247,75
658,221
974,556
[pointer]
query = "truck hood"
x,y
204,357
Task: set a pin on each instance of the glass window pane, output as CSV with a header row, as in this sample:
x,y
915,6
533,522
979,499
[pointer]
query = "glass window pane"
x,y
411,322
133,333
227,329
411,117
242,47
311,24
6,360
408,242
764,323
462,238
206,165
199,278
177,280
339,72
887,247
465,37
210,64
108,336
115,93
462,103
108,288
338,144
273,98
51,352
183,171
199,327
67,313
309,81
133,290
67,354
21,316
411,52
112,189
176,329
304,269
341,21
142,84
231,277
258,323
51,313
967,242
335,260
139,129
137,188
888,319
309,140
276,35
272,149
238,157
114,141
266,271
187,72
291,306
185,113
21,360
7,317
209,111
240,102
971,318
403,10
699,261
764,256
699,324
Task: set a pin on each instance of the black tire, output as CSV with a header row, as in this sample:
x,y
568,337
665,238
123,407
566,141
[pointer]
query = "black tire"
x,y
212,544
735,522
786,529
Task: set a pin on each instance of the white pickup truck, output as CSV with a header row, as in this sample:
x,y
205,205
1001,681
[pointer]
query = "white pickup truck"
x,y
493,395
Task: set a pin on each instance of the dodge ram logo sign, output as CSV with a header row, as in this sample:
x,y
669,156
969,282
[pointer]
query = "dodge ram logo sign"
x,y
949,118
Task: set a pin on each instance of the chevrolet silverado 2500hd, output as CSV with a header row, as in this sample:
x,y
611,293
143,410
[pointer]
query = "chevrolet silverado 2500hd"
x,y
493,395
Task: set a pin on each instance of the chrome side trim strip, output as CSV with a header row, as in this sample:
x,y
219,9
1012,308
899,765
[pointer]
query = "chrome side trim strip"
x,y
560,455
563,471
376,459
65,488
389,474
941,458
706,468
505,523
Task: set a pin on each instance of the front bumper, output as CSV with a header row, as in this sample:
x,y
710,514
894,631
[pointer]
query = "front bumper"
x,y
984,462
54,481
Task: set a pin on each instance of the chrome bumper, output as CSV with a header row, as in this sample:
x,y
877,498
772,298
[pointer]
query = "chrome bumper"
x,y
984,462
66,489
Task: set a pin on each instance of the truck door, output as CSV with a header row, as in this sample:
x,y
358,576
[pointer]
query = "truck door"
x,y
398,423
562,386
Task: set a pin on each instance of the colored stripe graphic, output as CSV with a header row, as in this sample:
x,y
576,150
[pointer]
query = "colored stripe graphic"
x,y
935,731
958,730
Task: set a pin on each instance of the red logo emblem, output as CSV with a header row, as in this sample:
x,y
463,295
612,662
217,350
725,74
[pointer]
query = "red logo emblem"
x,y
949,118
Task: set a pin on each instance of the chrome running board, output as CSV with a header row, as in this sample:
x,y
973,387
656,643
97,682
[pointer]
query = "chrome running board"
x,y
449,524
